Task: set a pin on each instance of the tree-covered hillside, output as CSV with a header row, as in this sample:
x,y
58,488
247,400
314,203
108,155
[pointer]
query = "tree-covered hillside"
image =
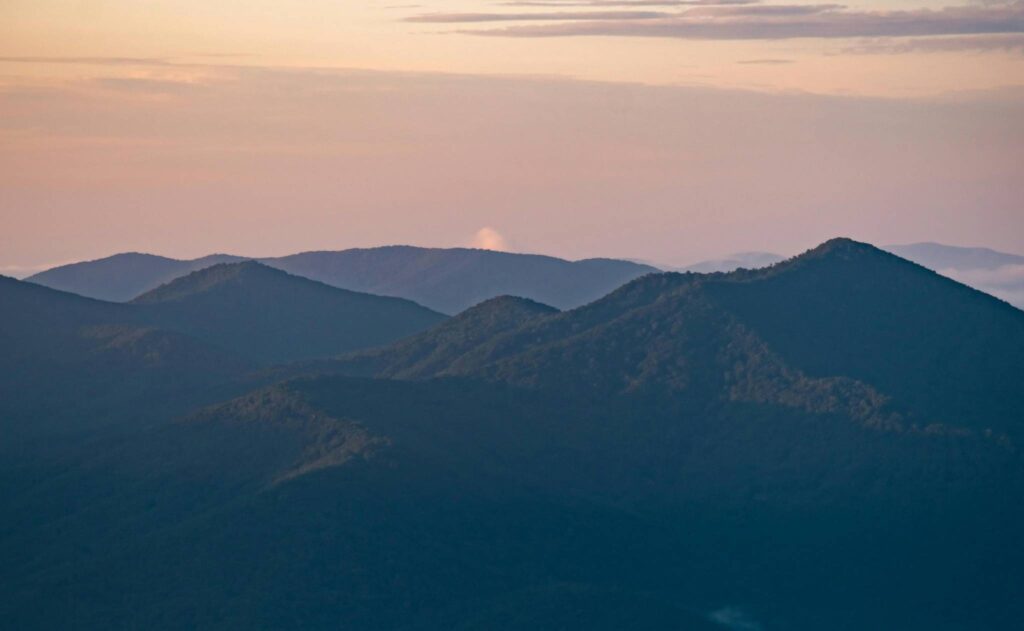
x,y
831,442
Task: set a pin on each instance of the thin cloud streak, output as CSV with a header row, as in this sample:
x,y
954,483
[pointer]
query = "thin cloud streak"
x,y
971,43
702,11
625,3
457,18
791,24
761,10
93,61
144,86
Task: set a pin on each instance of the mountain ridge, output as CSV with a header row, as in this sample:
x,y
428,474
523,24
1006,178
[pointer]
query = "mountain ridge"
x,y
448,280
123,276
831,442
273,316
614,345
66,355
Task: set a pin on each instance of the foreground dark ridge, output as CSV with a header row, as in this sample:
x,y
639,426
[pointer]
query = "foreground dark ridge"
x,y
832,442
69,357
944,352
270,315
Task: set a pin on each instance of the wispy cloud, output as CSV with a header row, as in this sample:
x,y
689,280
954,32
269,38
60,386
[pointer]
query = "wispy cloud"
x,y
151,87
773,22
780,10
456,18
94,61
1009,42
709,11
623,3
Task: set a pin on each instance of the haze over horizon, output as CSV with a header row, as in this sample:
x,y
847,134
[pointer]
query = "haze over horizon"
x,y
668,131
490,239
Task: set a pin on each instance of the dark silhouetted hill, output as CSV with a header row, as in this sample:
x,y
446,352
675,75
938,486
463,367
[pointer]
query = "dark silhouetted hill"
x,y
844,311
269,315
953,354
829,443
69,359
435,350
996,273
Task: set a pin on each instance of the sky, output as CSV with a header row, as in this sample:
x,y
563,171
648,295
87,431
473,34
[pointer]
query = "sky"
x,y
662,130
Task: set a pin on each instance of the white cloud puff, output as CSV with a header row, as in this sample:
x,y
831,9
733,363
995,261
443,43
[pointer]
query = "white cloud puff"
x,y
490,239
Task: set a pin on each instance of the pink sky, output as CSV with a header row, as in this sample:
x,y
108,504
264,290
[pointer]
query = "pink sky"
x,y
244,128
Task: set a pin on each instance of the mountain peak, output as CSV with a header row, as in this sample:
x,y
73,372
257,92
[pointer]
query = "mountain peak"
x,y
207,278
838,250
270,315
123,276
436,349
509,304
842,246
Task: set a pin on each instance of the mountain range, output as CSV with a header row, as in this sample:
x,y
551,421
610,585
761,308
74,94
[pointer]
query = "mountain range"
x,y
828,442
454,279
95,360
446,280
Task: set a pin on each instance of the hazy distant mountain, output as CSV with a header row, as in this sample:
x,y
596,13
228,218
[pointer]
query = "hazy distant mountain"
x,y
748,260
447,280
269,315
939,257
450,280
832,442
121,277
996,273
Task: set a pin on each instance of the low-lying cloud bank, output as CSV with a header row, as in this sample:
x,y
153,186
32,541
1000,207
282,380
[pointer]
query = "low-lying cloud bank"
x,y
1006,282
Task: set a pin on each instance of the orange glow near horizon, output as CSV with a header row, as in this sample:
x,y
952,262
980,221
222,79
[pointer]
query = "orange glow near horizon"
x,y
265,127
